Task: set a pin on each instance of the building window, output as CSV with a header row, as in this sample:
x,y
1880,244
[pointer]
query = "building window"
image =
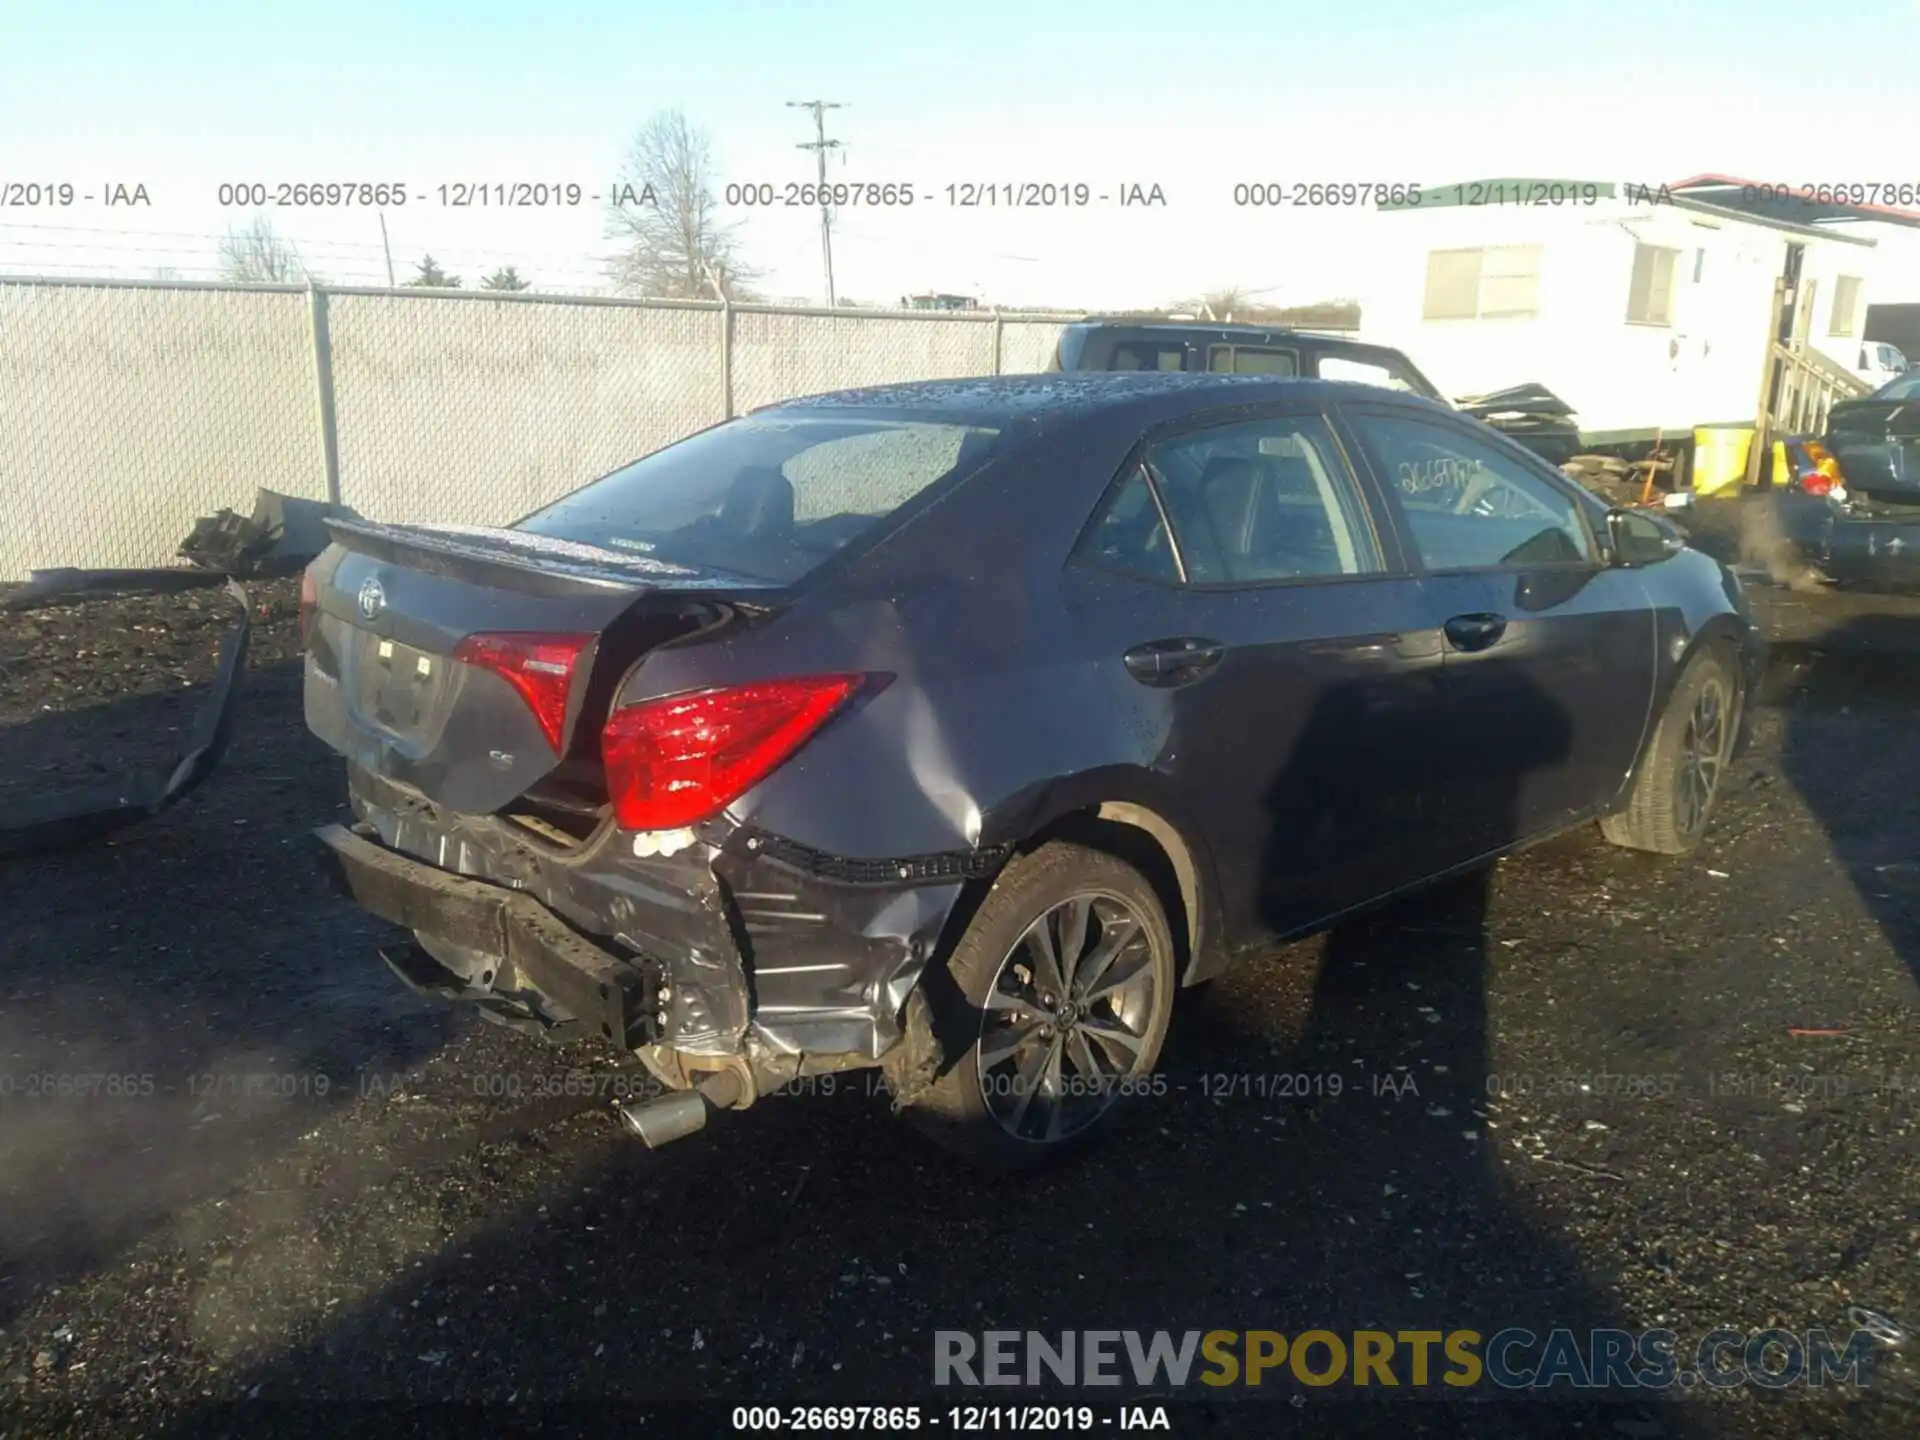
x,y
1497,282
1650,293
1846,304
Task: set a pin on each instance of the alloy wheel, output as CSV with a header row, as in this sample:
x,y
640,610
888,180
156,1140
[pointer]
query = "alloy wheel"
x,y
1703,756
1067,1017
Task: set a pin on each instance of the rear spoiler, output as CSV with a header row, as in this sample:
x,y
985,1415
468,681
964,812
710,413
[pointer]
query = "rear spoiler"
x,y
521,560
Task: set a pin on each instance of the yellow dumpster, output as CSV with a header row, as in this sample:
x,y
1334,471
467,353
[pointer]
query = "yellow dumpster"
x,y
1720,457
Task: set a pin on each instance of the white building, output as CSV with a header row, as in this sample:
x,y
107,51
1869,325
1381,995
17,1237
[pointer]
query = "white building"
x,y
1645,308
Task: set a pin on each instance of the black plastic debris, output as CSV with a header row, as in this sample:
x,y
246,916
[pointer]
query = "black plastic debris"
x,y
1529,399
58,822
1532,415
282,535
279,538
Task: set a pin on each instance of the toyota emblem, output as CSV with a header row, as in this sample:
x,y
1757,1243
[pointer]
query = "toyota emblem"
x,y
372,599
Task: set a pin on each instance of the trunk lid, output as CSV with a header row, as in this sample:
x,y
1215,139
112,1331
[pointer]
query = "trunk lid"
x,y
476,725
1877,443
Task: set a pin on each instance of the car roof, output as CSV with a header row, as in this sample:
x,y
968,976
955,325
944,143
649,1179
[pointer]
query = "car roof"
x,y
1064,394
1211,327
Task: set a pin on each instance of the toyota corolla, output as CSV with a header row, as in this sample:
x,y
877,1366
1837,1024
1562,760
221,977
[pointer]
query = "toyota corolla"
x,y
954,728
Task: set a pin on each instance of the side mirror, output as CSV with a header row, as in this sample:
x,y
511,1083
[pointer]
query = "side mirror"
x,y
1641,539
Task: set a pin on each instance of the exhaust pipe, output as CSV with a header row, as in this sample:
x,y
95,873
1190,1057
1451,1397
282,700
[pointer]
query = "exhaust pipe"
x,y
680,1113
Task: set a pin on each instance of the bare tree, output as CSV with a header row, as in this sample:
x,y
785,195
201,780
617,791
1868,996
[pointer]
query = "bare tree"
x,y
1221,304
664,209
257,256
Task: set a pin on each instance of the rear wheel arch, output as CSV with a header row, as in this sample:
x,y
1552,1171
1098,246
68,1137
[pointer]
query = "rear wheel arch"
x,y
1146,837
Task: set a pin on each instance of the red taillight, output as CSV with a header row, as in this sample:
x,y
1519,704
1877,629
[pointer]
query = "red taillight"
x,y
674,761
1819,473
540,667
309,601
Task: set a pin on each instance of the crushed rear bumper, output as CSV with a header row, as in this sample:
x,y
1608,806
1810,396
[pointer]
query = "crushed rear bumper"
x,y
1875,550
538,972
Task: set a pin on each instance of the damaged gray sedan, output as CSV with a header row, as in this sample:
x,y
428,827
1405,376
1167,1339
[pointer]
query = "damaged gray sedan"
x,y
950,729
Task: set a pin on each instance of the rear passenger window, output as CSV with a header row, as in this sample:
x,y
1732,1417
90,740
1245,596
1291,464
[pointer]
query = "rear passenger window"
x,y
1467,505
1128,534
1144,356
1263,500
1363,372
1251,360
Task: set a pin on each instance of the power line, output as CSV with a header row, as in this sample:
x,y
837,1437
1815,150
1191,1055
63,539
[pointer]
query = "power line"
x,y
29,248
354,248
820,144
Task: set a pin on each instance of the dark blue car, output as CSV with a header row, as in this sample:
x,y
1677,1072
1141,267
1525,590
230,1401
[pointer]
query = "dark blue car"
x,y
1871,534
953,728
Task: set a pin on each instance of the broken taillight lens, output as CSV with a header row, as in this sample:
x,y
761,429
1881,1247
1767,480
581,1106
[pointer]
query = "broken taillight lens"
x,y
675,761
540,667
1820,473
309,602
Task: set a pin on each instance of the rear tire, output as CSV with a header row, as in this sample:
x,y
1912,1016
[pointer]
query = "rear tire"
x,y
1685,765
1059,998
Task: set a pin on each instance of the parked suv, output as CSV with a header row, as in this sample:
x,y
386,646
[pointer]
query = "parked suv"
x,y
1235,350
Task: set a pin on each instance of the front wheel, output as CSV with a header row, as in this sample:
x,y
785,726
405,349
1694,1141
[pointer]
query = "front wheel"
x,y
1062,989
1681,775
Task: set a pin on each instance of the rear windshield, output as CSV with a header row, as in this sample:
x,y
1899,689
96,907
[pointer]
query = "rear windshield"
x,y
766,498
1907,387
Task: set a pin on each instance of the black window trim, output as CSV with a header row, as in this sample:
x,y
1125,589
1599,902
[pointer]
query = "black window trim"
x,y
1396,561
1584,505
1081,558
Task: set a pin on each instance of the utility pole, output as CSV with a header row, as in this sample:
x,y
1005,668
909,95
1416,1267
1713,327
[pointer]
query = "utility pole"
x,y
386,247
820,144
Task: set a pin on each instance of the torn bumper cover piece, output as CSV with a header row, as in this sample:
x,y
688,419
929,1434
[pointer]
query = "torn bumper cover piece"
x,y
64,584
57,822
282,535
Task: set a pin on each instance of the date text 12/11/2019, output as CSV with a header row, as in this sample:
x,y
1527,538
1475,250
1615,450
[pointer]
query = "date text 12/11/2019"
x,y
964,195
960,1419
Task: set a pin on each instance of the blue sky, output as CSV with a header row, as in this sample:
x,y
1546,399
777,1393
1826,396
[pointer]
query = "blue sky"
x,y
1193,96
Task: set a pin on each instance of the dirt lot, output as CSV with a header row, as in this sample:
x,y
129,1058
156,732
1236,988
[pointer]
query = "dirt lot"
x,y
1594,1089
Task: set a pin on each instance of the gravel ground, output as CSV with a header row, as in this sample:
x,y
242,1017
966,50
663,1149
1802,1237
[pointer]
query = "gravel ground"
x,y
306,1185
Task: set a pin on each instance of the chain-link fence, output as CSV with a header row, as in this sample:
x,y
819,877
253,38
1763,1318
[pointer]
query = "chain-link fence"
x,y
125,413
128,410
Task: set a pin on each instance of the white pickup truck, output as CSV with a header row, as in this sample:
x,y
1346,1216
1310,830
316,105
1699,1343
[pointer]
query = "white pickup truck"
x,y
1880,362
